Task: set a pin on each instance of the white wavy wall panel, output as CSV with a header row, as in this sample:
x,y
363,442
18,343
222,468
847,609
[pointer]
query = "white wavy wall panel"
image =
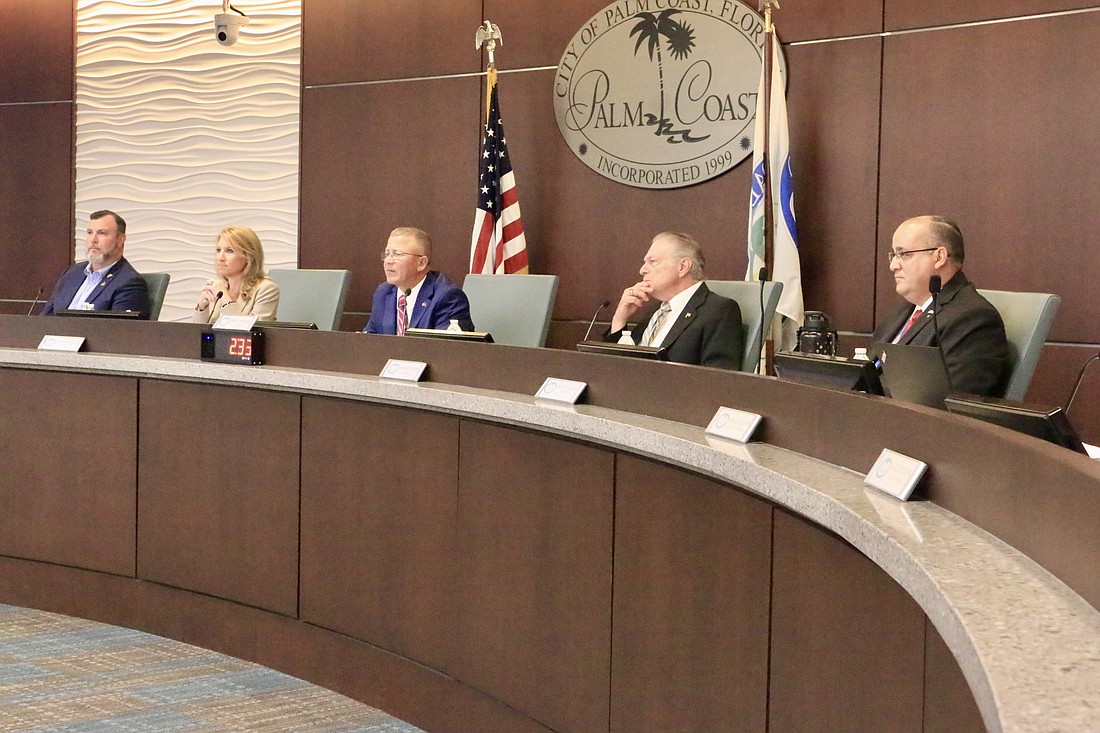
x,y
183,136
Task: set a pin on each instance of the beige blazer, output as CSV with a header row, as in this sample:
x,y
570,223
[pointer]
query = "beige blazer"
x,y
264,304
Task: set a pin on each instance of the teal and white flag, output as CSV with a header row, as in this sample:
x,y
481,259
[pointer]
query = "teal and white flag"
x,y
789,312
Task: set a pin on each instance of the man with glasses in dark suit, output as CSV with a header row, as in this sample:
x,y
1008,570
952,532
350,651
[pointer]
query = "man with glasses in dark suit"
x,y
970,330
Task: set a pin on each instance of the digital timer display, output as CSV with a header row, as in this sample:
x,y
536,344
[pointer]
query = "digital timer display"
x,y
240,347
233,347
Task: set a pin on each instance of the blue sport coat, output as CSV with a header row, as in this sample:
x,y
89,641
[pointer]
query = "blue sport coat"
x,y
438,302
123,289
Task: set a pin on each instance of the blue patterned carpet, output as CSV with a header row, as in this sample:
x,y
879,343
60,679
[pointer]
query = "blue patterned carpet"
x,y
68,675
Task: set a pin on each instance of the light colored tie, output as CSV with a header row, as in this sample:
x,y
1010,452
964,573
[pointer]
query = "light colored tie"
x,y
658,320
909,324
402,314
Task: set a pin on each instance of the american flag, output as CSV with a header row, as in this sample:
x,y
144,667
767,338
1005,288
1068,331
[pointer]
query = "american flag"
x,y
498,245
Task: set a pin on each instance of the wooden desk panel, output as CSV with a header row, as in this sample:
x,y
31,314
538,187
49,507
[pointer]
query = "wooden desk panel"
x,y
68,488
218,503
847,641
534,574
692,587
379,500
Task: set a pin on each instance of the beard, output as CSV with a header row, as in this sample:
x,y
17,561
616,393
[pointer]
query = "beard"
x,y
101,257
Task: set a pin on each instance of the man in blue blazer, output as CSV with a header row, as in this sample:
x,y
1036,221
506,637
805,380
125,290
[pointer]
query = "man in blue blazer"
x,y
106,281
414,296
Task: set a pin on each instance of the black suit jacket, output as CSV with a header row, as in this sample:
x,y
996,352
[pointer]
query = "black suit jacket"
x,y
123,289
971,332
707,333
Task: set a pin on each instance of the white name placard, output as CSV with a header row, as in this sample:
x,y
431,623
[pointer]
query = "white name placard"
x,y
733,424
61,343
895,474
406,371
561,390
235,323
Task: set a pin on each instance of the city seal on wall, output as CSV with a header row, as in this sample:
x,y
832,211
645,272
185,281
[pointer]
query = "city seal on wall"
x,y
661,93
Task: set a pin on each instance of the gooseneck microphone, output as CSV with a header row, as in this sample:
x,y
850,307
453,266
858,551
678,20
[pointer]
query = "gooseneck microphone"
x,y
935,284
1080,378
594,317
762,276
36,298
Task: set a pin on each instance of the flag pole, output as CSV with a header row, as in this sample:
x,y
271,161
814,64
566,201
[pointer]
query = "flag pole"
x,y
769,215
497,244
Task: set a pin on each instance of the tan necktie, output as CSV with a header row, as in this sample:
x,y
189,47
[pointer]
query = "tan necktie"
x,y
655,326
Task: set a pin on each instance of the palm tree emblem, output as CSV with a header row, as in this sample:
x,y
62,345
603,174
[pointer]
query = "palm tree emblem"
x,y
681,40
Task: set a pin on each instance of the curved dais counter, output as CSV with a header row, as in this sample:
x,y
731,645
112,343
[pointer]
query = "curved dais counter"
x,y
471,560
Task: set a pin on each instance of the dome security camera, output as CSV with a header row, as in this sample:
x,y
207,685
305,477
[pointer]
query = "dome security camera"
x,y
227,27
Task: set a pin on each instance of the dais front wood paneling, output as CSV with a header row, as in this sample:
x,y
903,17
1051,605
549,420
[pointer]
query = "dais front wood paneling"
x,y
378,528
535,530
218,503
828,601
68,469
692,563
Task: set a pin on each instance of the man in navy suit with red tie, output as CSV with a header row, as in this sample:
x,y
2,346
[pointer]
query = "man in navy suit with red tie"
x,y
971,332
106,281
414,296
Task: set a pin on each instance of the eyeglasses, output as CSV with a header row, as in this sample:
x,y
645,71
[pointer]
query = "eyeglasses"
x,y
396,255
905,254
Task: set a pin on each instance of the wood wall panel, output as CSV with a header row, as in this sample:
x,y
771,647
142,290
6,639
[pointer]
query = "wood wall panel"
x,y
36,166
380,156
377,528
534,568
362,40
36,50
847,641
73,506
218,505
909,14
812,20
1002,149
833,106
536,34
692,563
